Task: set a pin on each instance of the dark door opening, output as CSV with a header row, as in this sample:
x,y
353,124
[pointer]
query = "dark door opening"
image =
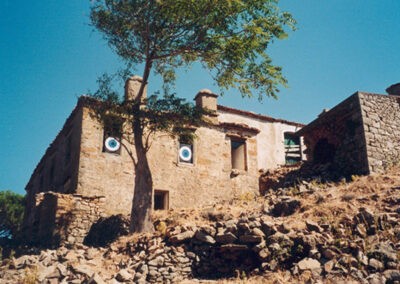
x,y
324,152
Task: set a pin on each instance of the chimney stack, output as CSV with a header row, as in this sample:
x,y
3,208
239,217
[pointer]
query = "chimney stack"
x,y
132,87
207,100
394,90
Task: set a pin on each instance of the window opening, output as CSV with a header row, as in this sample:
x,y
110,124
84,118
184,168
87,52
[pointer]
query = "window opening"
x,y
112,135
52,172
161,200
67,150
238,154
41,183
185,152
292,148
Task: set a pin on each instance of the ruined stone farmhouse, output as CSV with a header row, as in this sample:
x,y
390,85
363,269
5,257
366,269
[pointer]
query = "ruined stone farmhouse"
x,y
86,173
361,135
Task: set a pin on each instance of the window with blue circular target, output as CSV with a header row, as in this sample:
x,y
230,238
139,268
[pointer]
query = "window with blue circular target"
x,y
112,144
185,153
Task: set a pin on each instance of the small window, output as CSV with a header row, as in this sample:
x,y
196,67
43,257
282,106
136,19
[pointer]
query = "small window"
x,y
238,154
161,200
52,172
185,151
112,135
292,148
67,150
41,183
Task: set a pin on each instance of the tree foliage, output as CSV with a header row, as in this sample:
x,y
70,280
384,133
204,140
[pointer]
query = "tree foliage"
x,y
12,207
165,113
229,38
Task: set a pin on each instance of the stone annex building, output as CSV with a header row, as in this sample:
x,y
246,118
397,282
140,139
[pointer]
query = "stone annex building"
x,y
86,174
361,135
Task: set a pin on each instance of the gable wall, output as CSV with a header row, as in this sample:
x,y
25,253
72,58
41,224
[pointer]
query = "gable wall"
x,y
54,172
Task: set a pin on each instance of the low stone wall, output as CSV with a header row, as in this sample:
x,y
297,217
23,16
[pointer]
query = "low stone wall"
x,y
381,116
63,219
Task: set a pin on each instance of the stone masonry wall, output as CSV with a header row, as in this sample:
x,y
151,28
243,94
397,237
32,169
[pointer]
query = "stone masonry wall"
x,y
63,218
57,171
205,181
381,116
342,127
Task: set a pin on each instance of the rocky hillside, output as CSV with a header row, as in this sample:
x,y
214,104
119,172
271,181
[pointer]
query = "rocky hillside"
x,y
313,232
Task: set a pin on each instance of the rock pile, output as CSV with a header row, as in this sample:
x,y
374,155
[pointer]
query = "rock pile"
x,y
287,176
314,232
245,246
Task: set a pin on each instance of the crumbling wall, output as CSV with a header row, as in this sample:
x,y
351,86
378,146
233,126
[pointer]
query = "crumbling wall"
x,y
381,117
62,218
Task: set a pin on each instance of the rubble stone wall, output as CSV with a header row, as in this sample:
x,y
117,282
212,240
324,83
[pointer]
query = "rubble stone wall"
x,y
63,219
381,116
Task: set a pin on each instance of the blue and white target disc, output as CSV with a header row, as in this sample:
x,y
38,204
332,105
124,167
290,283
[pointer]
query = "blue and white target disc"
x,y
112,144
185,153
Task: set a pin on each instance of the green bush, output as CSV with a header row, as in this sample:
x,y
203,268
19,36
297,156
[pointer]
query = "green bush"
x,y
11,213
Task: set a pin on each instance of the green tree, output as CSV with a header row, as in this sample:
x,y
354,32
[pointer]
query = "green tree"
x,y
12,207
228,37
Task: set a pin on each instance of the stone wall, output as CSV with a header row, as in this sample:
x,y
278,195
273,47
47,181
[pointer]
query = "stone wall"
x,y
57,170
62,218
381,116
205,181
340,131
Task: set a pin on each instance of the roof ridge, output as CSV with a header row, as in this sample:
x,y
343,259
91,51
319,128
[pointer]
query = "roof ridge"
x,y
259,116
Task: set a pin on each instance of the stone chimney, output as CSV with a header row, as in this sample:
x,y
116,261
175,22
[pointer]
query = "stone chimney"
x,y
394,90
207,100
132,87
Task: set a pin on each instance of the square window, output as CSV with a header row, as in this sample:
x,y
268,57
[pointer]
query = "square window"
x,y
161,200
238,154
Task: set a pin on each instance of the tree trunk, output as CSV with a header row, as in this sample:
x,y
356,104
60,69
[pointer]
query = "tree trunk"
x,y
142,203
143,194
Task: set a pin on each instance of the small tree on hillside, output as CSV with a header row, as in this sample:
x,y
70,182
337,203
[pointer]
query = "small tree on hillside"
x,y
229,37
11,213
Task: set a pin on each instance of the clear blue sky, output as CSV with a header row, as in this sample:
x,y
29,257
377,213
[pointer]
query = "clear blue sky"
x,y
49,55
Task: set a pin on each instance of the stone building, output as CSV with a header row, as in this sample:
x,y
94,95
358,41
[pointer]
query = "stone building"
x,y
361,135
85,173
